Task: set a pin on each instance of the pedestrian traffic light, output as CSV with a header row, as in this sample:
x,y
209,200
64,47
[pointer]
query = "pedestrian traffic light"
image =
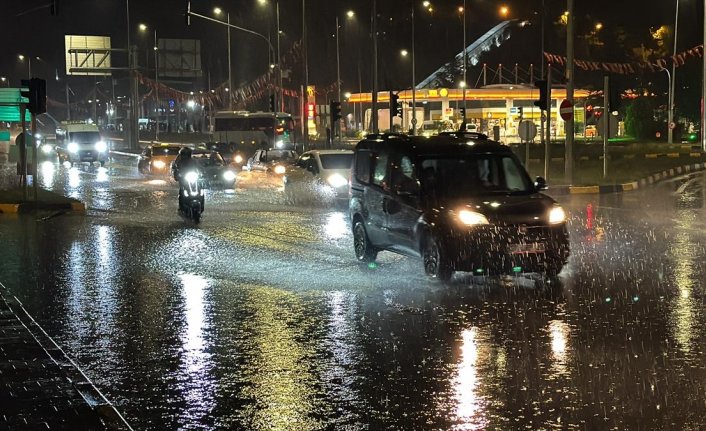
x,y
543,101
36,92
335,109
272,103
395,107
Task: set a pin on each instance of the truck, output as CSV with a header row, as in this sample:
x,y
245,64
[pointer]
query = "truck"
x,y
80,142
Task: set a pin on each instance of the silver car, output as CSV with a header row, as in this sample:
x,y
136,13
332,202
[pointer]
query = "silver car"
x,y
320,175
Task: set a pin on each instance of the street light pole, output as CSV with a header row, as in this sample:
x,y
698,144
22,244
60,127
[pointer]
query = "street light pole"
x,y
279,64
230,72
374,113
414,80
337,127
569,146
465,62
703,93
670,111
156,91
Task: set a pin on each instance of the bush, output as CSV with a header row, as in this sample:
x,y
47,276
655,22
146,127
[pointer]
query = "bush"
x,y
639,118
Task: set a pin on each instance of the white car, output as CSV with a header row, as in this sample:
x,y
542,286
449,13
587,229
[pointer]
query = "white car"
x,y
319,174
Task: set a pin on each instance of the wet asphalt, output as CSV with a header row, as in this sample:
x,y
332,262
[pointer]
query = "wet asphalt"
x,y
259,318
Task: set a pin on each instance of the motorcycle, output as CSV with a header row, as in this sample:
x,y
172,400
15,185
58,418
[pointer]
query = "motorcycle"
x,y
192,199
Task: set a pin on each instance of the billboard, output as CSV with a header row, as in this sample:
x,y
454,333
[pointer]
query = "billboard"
x,y
87,55
179,58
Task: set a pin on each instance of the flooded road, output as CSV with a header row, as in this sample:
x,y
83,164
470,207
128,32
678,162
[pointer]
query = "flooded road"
x,y
260,318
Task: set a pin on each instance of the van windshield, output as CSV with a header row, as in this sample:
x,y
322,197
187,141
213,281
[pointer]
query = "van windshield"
x,y
452,178
84,137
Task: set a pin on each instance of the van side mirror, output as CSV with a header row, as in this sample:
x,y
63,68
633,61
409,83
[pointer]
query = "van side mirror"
x,y
540,183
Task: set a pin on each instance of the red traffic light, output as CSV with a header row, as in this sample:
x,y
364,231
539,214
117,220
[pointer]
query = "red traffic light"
x,y
310,110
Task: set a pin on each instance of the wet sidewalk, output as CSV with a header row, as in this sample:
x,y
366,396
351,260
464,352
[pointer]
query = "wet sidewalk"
x,y
38,386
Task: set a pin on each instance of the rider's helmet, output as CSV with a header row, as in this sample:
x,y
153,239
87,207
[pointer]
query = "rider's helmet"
x,y
185,153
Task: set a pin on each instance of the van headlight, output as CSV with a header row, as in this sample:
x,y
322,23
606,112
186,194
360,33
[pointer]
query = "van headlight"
x,y
279,169
158,164
238,158
471,218
229,176
101,146
72,147
557,215
336,180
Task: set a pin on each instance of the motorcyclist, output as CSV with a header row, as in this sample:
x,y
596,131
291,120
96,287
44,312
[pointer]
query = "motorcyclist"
x,y
183,164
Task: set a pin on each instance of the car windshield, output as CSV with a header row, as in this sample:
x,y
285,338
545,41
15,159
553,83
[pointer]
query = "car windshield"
x,y
209,159
84,137
474,175
279,155
336,161
165,151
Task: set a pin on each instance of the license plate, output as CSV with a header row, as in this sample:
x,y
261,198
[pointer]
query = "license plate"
x,y
533,247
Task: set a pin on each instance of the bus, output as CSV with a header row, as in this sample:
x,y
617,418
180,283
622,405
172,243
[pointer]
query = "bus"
x,y
255,130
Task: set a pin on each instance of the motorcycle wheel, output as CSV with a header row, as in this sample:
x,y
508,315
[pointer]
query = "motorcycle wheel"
x,y
196,213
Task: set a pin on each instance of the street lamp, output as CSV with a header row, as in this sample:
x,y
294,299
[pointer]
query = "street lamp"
x,y
218,11
29,64
504,11
404,53
144,28
598,26
350,14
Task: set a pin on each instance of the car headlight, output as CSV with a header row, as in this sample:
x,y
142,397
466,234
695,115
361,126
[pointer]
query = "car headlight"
x,y
557,215
191,176
158,164
238,158
471,218
279,169
72,147
229,175
101,146
279,144
336,180
46,149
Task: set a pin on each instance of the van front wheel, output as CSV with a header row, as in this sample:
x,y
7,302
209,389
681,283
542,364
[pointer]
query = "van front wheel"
x,y
436,263
364,251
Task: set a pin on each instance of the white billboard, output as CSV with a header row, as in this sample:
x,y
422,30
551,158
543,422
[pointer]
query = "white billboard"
x,y
87,55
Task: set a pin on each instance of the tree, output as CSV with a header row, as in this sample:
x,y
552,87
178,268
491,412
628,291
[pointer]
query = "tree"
x,y
639,118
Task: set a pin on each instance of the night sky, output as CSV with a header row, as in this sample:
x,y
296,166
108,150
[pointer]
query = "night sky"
x,y
439,35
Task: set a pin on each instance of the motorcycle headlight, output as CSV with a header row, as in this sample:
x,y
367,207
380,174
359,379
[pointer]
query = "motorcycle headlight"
x,y
158,164
191,177
279,169
557,215
471,218
238,158
229,176
101,146
72,147
336,180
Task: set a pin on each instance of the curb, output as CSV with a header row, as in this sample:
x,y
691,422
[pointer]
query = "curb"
x,y
627,187
75,207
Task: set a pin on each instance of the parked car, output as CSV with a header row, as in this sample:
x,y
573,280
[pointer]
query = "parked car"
x,y
157,159
216,172
319,174
272,161
459,201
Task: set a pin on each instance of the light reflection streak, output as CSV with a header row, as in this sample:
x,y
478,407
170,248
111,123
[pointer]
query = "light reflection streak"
x,y
196,360
684,309
559,332
47,170
468,402
336,225
102,175
74,178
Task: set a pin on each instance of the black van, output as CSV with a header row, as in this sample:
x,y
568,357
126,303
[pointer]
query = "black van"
x,y
459,201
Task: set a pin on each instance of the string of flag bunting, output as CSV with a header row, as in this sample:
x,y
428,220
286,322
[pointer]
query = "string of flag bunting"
x,y
630,67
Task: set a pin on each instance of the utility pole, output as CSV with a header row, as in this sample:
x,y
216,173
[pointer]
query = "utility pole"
x,y
337,127
569,126
68,105
465,63
305,120
374,113
606,122
414,78
548,140
279,64
230,72
670,111
156,91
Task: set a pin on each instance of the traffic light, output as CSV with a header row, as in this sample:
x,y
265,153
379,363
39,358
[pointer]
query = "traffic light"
x,y
335,109
543,101
395,107
272,103
463,113
310,111
519,111
36,93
